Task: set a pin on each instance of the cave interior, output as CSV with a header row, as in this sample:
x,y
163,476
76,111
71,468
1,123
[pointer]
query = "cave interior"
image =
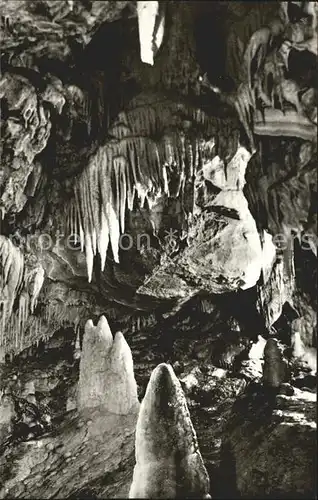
x,y
158,246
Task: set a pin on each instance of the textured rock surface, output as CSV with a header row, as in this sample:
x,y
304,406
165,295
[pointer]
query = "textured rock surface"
x,y
52,28
224,252
258,430
108,441
6,415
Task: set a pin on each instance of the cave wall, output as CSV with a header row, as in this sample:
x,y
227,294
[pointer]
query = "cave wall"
x,y
177,199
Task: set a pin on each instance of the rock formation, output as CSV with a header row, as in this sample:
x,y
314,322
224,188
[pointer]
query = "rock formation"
x,y
6,416
289,424
275,371
182,208
168,460
106,373
257,349
304,354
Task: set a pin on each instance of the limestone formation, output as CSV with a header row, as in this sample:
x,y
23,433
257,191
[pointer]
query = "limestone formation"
x,y
150,30
257,349
270,469
6,416
224,252
274,368
21,281
106,376
168,460
306,355
131,188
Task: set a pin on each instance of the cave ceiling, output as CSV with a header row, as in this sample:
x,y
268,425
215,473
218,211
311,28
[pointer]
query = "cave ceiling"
x,y
131,187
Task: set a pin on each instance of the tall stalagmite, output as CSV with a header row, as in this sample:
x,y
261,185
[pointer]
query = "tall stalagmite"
x,y
168,460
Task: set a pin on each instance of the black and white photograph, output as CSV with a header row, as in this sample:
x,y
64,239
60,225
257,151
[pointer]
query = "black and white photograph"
x,y
158,249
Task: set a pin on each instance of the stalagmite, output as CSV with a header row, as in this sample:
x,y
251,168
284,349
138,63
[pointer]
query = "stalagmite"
x,y
122,395
306,355
168,460
257,349
106,371
274,368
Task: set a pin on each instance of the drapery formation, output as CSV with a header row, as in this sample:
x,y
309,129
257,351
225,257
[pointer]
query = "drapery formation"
x,y
270,99
21,280
154,147
12,268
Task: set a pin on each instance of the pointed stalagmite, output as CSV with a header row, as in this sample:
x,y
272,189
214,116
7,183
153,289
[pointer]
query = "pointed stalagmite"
x,y
168,460
106,371
123,389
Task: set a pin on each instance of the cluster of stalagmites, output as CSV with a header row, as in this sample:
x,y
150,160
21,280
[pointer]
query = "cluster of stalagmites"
x,y
168,460
168,463
106,370
280,413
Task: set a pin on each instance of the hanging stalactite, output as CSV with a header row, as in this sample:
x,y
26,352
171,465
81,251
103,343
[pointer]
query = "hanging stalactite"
x,y
150,153
11,277
21,281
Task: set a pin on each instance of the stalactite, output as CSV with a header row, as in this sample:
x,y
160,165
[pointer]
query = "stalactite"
x,y
116,186
114,231
103,236
131,163
92,220
78,215
23,313
12,269
92,181
121,189
35,286
151,23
